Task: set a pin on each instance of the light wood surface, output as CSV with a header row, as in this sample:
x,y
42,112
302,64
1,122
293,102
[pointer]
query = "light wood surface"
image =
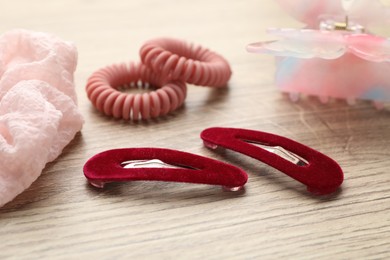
x,y
61,216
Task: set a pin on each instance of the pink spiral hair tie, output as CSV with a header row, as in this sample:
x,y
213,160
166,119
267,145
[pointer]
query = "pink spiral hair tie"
x,y
175,59
103,89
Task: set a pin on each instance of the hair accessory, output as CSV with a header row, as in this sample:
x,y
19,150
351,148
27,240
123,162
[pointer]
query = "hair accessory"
x,y
102,90
167,64
157,164
38,106
319,173
193,64
334,56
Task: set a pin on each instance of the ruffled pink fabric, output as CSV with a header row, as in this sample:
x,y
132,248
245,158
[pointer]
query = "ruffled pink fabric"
x,y
38,106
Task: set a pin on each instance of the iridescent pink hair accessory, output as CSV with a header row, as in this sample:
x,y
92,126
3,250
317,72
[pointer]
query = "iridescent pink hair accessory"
x,y
334,56
38,106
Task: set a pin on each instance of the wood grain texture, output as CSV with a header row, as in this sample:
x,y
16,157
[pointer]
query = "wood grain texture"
x,y
61,216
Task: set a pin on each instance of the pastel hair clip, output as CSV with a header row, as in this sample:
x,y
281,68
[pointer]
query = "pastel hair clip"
x,y
167,65
158,164
335,55
321,174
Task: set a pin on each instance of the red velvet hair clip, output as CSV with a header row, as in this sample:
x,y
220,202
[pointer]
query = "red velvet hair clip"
x,y
321,174
157,164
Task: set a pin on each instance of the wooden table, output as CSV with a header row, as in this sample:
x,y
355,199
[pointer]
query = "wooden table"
x,y
61,216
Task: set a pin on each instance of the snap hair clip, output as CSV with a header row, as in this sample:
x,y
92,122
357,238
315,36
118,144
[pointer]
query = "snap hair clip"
x,y
158,164
194,64
104,89
335,55
321,174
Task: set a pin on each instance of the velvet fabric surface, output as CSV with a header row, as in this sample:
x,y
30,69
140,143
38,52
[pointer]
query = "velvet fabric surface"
x,y
322,175
107,167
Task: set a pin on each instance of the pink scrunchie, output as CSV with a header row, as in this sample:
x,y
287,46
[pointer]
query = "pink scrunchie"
x,y
38,106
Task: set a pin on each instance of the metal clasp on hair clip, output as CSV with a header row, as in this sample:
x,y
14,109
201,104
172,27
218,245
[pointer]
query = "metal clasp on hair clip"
x,y
321,174
332,24
335,55
154,163
335,23
157,164
283,153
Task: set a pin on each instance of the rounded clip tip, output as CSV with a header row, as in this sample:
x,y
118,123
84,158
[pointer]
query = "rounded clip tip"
x,y
378,105
210,145
97,184
232,189
294,97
